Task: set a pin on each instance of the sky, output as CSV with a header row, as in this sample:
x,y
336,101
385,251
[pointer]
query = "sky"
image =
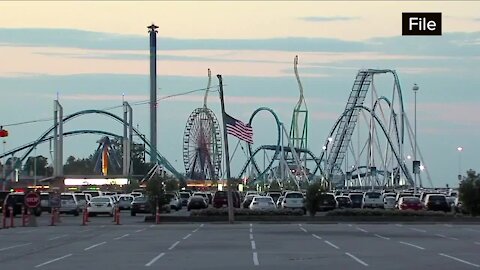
x,y
91,55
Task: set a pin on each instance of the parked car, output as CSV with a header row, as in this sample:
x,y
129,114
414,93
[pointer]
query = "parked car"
x,y
389,202
45,202
220,199
326,202
275,195
279,202
101,205
202,194
82,200
125,202
357,199
343,201
174,201
294,200
196,202
436,202
93,193
184,196
17,200
69,204
140,205
372,199
262,203
409,203
248,200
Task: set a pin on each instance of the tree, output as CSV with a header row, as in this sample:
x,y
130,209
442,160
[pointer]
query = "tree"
x,y
470,193
83,166
314,192
156,192
132,185
171,184
41,166
274,186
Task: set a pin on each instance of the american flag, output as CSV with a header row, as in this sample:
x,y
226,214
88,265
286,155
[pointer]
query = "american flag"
x,y
239,129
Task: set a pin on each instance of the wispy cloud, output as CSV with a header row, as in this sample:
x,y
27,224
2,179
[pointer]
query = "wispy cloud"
x,y
328,19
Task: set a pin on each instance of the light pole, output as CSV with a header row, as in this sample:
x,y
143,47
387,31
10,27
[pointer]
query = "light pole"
x,y
459,149
35,170
415,170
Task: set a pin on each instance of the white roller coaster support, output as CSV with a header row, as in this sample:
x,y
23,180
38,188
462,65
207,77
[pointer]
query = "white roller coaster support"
x,y
208,88
295,156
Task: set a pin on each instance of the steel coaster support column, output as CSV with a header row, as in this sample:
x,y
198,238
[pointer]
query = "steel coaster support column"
x,y
153,91
58,138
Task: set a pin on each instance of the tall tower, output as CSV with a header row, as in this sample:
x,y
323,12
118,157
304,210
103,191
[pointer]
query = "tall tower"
x,y
153,92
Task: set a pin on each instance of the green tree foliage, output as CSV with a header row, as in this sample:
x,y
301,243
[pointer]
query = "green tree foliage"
x,y
470,193
132,185
81,166
156,192
314,192
274,186
41,165
171,184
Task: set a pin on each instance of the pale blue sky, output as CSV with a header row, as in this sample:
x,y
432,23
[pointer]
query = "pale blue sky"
x,y
91,67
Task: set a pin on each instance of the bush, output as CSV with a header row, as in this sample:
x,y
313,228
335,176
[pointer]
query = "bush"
x,y
384,213
246,212
469,192
312,199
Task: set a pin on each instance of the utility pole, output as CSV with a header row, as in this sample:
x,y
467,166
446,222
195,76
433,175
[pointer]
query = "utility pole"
x,y
153,92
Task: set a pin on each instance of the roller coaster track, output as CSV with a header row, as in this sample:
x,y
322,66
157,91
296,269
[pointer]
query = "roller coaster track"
x,y
162,160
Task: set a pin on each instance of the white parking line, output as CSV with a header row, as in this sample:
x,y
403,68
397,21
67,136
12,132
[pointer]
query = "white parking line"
x,y
153,225
251,225
383,237
201,225
329,243
412,245
96,245
87,230
472,230
362,230
251,230
174,245
58,237
253,245
399,225
316,236
299,224
255,259
458,260
184,238
303,229
446,237
447,225
21,245
356,259
418,230
54,260
141,230
194,231
478,243
251,236
120,237
349,225
155,259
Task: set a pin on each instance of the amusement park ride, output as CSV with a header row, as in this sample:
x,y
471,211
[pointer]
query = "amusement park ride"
x,y
366,147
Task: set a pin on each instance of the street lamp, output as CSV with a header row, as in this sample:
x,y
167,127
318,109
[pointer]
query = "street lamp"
x,y
415,170
459,149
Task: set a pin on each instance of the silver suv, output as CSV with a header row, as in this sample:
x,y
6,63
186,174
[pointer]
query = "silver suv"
x,y
69,204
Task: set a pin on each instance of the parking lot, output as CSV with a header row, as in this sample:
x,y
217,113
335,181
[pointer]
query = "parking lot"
x,y
135,245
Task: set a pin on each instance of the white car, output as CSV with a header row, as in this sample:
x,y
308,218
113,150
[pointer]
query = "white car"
x,y
372,199
204,195
294,200
125,201
262,203
82,199
69,204
389,202
101,205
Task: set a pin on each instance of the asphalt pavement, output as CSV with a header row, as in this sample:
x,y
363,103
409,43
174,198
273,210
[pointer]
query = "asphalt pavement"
x,y
138,245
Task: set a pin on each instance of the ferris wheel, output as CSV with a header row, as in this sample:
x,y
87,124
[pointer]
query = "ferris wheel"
x,y
202,144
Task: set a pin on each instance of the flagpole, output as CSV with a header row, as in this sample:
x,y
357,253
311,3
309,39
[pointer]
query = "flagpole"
x,y
231,217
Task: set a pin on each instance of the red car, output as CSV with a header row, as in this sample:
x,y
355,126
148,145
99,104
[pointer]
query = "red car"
x,y
412,203
220,199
